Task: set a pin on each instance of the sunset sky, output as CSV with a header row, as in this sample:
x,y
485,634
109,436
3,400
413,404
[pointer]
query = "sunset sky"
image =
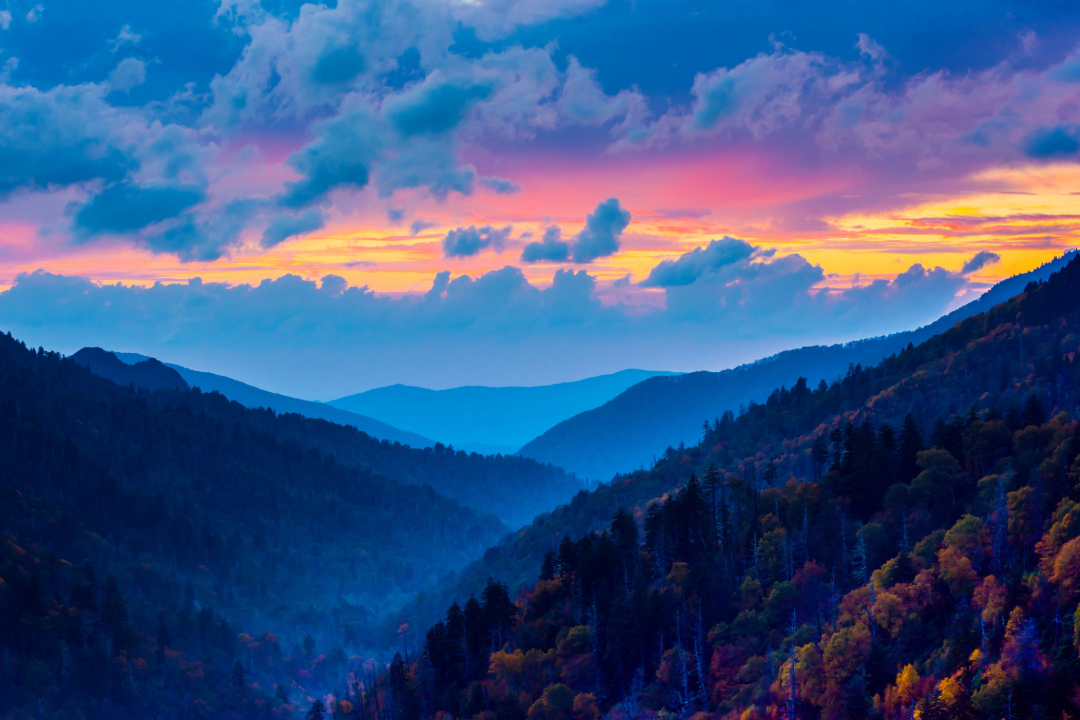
x,y
671,184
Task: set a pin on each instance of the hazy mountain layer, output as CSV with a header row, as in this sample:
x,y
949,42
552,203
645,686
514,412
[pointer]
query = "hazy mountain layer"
x,y
253,397
488,419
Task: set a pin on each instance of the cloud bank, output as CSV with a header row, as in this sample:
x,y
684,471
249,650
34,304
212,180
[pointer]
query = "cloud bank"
x,y
726,303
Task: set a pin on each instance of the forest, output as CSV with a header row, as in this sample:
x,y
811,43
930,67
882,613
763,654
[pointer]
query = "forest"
x,y
902,543
175,530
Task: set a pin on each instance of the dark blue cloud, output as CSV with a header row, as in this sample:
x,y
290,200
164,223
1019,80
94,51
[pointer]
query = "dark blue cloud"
x,y
126,208
550,248
499,186
284,227
434,107
980,260
1053,142
603,227
341,155
465,242
688,268
338,65
205,236
58,138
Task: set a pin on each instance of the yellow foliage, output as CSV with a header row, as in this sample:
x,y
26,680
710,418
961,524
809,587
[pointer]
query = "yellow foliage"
x,y
990,597
955,569
906,682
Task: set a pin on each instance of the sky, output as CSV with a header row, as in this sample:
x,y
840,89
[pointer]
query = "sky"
x,y
323,199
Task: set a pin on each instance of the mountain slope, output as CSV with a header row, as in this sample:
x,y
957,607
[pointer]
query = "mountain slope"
x,y
989,364
148,374
636,427
253,397
488,419
816,561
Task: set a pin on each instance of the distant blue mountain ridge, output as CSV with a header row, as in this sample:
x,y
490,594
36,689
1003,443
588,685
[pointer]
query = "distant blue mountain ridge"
x,y
633,429
489,419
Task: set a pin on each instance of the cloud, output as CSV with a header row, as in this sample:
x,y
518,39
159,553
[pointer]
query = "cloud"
x,y
35,13
5,19
125,208
1060,141
419,225
295,336
340,156
62,137
124,37
980,260
603,227
466,242
127,74
395,215
698,263
434,106
550,248
203,236
284,227
499,186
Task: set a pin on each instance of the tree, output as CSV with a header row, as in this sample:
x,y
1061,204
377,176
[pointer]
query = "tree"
x,y
1034,412
239,677
911,444
113,608
317,710
309,648
712,484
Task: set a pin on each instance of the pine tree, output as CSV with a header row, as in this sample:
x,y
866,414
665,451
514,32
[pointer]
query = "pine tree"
x,y
239,677
911,444
317,710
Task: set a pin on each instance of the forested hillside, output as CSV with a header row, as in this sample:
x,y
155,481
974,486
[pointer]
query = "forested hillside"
x,y
128,516
253,397
902,543
632,430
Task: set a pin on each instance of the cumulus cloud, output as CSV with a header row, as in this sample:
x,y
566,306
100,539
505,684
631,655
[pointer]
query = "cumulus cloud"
x,y
127,74
603,228
126,207
466,242
60,137
350,338
550,248
499,186
980,260
284,227
698,263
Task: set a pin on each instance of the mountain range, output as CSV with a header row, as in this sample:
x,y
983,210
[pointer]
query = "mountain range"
x,y
488,419
253,397
635,428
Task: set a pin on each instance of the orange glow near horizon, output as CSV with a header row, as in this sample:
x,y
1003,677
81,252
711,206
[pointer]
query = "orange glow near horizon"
x,y
1025,214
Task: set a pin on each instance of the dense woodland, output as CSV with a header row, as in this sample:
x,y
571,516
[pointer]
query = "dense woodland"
x,y
208,523
902,543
